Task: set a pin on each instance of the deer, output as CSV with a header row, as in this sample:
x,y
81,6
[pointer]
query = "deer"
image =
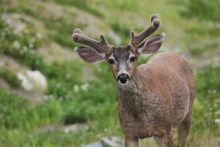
x,y
153,97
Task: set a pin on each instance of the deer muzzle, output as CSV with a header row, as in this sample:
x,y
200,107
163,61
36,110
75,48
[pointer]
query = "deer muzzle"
x,y
123,78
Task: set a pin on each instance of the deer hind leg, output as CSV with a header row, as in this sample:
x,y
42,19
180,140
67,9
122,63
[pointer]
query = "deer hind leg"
x,y
183,130
165,141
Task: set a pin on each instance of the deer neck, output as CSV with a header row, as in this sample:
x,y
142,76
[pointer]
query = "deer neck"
x,y
132,95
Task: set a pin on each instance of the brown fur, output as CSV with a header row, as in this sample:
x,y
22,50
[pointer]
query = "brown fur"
x,y
161,97
154,97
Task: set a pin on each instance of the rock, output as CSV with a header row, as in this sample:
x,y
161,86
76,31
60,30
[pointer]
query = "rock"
x,y
111,142
96,144
25,82
107,142
32,80
37,78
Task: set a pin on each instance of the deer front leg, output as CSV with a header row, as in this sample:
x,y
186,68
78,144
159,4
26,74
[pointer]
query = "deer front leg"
x,y
131,141
160,141
165,141
169,139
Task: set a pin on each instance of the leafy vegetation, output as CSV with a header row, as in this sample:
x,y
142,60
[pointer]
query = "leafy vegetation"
x,y
207,105
10,77
16,112
70,99
205,10
84,5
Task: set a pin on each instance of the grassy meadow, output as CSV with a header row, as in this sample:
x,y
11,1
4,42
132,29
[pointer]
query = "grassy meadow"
x,y
79,105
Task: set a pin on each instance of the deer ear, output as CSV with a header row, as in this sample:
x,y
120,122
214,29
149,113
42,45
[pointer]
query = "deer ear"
x,y
152,45
89,54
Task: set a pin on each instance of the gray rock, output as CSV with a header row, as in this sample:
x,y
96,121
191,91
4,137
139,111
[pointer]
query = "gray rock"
x,y
111,142
96,144
107,142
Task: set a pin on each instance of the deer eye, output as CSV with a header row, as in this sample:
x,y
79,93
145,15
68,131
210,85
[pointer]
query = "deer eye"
x,y
133,59
111,61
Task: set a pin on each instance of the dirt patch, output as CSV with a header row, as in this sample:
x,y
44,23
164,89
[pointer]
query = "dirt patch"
x,y
67,128
11,64
53,51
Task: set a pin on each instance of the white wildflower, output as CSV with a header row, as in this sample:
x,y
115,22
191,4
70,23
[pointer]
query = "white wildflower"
x,y
66,130
98,135
21,52
25,48
85,86
32,40
38,35
76,88
3,34
61,98
58,85
99,69
26,31
217,120
47,97
37,78
15,32
16,45
86,127
217,112
67,76
25,82
32,80
15,131
31,45
214,91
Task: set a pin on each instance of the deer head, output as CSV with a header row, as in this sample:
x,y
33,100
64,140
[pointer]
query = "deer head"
x,y
122,60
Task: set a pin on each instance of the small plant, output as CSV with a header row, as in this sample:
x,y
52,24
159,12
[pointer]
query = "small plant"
x,y
205,10
13,109
84,5
10,77
16,111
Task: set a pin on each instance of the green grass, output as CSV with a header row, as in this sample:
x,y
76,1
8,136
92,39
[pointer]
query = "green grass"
x,y
203,9
10,77
17,112
96,103
206,107
84,5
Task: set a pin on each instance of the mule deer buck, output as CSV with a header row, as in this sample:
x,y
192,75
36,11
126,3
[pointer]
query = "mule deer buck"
x,y
153,97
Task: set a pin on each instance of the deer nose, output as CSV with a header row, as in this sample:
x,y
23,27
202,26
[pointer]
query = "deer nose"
x,y
123,78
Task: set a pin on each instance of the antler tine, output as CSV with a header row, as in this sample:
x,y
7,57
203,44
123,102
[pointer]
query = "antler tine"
x,y
136,40
101,46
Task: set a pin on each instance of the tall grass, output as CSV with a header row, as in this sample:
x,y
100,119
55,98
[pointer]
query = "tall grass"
x,y
205,10
10,77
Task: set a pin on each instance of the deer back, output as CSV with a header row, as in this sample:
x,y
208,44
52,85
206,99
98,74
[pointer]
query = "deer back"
x,y
169,84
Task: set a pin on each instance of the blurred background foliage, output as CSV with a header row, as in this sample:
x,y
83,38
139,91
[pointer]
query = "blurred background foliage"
x,y
79,105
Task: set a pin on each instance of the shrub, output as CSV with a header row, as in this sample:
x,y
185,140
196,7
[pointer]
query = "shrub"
x,y
85,5
207,104
205,10
16,111
10,77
